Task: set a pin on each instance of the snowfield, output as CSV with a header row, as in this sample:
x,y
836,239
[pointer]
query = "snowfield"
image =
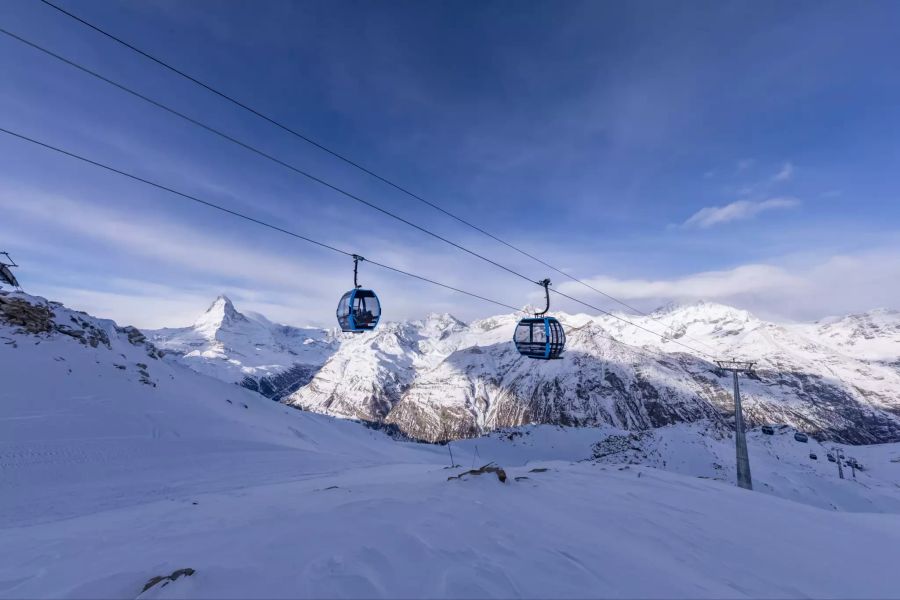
x,y
118,466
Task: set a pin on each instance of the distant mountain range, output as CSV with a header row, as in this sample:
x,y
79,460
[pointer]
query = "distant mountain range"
x,y
440,378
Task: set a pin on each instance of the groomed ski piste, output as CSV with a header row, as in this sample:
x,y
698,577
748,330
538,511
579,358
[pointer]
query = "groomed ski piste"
x,y
127,476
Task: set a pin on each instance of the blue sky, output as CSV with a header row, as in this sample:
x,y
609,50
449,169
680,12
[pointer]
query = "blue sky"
x,y
742,152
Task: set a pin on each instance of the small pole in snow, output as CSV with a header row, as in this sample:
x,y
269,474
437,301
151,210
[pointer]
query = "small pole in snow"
x,y
450,450
740,439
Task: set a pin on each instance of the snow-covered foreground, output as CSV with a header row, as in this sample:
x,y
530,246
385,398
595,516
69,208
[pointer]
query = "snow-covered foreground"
x,y
405,531
117,467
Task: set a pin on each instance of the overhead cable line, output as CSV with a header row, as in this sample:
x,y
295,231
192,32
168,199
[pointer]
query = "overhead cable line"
x,y
307,239
244,216
262,153
309,176
350,161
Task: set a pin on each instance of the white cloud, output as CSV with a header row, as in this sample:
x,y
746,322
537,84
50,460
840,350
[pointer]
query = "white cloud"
x,y
159,239
706,285
736,211
794,289
744,164
786,172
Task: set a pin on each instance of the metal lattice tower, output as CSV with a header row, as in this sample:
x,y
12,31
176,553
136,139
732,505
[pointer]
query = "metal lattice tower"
x,y
740,439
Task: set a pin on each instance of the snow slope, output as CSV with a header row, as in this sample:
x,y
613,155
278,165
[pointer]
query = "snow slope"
x,y
71,410
408,532
118,466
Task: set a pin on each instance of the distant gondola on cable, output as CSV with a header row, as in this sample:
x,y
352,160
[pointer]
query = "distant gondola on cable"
x,y
359,309
6,275
540,336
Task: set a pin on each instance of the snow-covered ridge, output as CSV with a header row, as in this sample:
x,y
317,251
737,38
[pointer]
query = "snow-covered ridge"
x,y
874,334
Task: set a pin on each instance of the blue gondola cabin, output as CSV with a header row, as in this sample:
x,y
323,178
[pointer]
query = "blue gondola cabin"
x,y
540,337
358,311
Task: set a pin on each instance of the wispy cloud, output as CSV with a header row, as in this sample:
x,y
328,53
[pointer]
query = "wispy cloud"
x,y
805,289
165,240
744,279
785,173
710,216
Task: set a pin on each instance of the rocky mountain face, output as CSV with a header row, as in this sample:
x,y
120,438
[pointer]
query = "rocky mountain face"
x,y
26,319
439,378
248,349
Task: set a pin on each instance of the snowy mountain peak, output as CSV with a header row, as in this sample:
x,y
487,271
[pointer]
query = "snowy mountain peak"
x,y
220,313
702,310
441,322
223,304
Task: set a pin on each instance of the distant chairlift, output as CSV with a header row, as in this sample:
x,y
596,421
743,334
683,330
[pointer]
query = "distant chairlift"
x,y
6,275
768,430
540,336
801,437
812,455
359,309
830,457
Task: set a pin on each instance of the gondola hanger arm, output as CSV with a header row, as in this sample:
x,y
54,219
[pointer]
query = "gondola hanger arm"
x,y
356,260
545,283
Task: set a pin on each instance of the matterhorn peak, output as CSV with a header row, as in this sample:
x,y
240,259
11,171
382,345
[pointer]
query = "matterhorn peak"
x,y
220,312
222,300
